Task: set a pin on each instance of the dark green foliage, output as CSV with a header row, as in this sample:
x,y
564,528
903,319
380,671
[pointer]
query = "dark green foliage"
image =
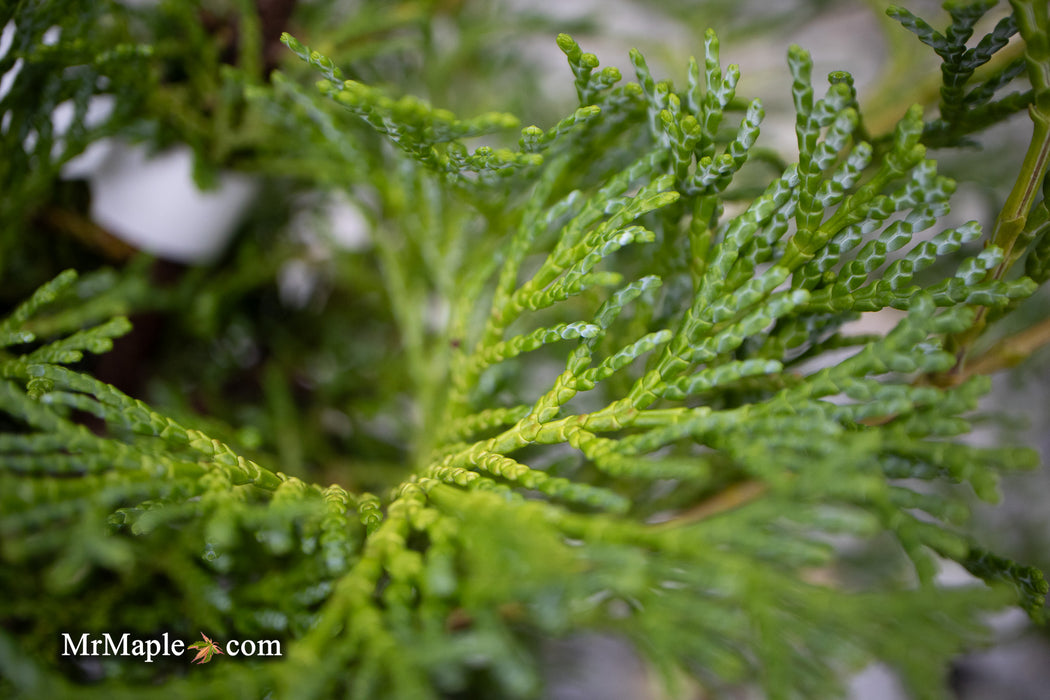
x,y
636,411
85,54
966,107
1029,582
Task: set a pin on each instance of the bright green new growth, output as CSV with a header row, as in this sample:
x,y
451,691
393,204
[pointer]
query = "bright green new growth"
x,y
672,471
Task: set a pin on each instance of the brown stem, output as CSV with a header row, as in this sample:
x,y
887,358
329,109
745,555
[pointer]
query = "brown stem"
x,y
1010,351
726,499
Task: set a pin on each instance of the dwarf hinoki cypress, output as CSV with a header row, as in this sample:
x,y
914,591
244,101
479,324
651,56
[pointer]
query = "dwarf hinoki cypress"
x,y
589,376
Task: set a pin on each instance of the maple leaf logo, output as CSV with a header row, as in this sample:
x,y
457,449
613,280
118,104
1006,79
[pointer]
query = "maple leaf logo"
x,y
207,649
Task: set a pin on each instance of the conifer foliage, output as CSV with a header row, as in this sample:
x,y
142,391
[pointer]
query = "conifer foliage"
x,y
635,411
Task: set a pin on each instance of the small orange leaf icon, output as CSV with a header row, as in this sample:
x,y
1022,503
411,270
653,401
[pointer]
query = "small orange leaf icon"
x,y
207,648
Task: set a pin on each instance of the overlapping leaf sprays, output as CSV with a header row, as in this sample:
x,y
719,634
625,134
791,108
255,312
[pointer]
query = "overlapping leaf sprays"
x,y
621,425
